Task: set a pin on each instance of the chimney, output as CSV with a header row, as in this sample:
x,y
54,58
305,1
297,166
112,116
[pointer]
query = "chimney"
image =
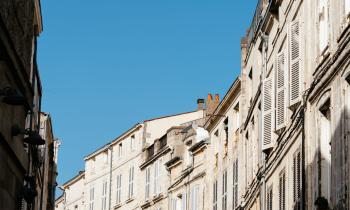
x,y
200,103
212,104
217,98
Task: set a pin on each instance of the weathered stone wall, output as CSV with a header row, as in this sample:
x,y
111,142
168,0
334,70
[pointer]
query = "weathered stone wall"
x,y
17,21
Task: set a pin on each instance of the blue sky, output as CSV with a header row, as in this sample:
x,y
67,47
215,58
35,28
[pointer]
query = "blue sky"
x,y
106,65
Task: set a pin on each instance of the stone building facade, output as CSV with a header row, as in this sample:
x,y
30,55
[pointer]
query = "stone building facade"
x,y
277,140
112,173
20,106
295,61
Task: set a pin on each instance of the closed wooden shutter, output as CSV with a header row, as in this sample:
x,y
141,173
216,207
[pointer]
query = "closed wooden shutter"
x,y
295,65
174,204
184,202
147,186
224,190
215,195
268,101
195,198
281,93
282,191
269,197
296,179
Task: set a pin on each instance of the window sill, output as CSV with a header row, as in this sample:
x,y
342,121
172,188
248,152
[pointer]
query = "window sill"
x,y
130,200
146,204
157,198
117,206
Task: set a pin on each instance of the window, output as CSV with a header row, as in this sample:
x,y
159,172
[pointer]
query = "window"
x,y
174,204
132,143
235,184
282,191
296,178
104,194
295,64
119,188
224,190
215,195
325,137
281,92
147,186
268,101
269,196
120,150
157,167
195,198
184,201
131,181
323,24
92,197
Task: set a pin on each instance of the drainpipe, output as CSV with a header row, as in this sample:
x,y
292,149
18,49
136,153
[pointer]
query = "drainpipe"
x,y
303,174
110,150
264,38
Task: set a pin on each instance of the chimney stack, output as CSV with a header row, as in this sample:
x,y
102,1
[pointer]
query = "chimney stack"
x,y
200,103
212,104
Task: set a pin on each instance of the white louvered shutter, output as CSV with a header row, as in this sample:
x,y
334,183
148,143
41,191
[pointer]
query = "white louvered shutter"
x,y
295,65
281,92
268,101
184,201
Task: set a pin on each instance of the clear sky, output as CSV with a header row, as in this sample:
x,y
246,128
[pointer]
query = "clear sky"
x,y
106,65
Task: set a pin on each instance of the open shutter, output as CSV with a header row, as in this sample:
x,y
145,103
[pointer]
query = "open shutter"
x,y
268,101
281,93
294,63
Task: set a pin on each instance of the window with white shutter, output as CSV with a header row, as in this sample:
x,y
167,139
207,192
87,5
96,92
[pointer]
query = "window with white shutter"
x,y
281,92
174,204
268,101
295,64
215,195
92,198
282,191
296,179
224,190
269,196
157,185
147,186
184,201
235,184
131,181
104,195
119,188
194,198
